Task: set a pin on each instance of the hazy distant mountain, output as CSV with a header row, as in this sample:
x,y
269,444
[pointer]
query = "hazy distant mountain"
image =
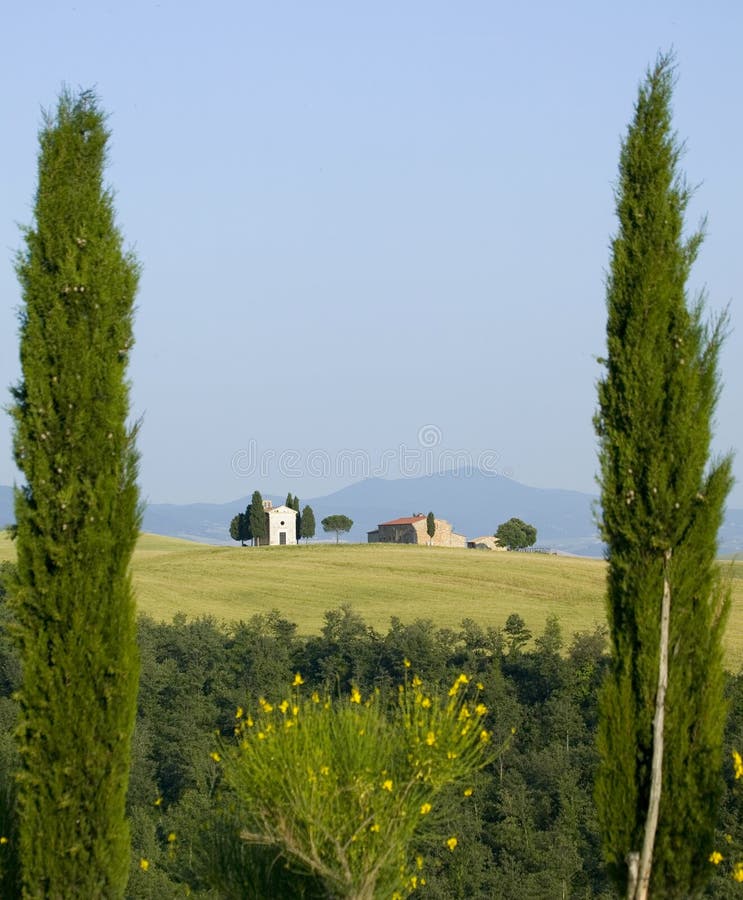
x,y
475,504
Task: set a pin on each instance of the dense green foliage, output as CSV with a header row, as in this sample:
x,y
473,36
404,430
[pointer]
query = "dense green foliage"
x,y
307,526
516,534
661,510
240,527
298,520
430,526
529,832
77,518
257,518
338,523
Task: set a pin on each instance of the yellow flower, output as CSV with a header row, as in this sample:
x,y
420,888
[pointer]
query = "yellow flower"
x,y
261,736
481,709
452,843
374,827
315,697
729,838
463,679
480,686
3,840
464,713
406,663
425,809
171,837
426,702
413,881
738,871
453,689
283,706
387,785
738,763
715,858
355,696
325,770
239,713
468,792
430,739
144,864
297,680
215,756
417,682
265,705
249,721
419,862
159,801
484,736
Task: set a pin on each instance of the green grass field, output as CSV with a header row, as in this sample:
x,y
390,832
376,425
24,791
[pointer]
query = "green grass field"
x,y
379,581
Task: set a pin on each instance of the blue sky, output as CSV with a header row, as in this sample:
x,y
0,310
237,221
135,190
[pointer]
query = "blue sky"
x,y
373,235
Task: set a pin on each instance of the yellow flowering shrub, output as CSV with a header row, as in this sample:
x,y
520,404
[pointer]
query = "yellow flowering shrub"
x,y
343,788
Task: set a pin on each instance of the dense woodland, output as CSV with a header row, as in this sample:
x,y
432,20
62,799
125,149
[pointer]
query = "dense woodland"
x,y
529,831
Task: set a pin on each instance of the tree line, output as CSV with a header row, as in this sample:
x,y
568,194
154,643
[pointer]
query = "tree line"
x,y
529,831
251,525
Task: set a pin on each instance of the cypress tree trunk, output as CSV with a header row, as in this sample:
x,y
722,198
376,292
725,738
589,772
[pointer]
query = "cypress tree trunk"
x,y
78,519
662,504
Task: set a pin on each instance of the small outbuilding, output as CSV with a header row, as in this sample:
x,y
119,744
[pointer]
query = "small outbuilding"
x,y
486,542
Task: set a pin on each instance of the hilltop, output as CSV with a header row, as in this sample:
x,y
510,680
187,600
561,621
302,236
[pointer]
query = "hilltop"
x,y
379,581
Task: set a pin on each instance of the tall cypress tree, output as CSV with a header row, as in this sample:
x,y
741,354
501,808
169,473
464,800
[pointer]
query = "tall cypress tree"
x,y
298,522
257,518
78,519
307,530
662,504
430,527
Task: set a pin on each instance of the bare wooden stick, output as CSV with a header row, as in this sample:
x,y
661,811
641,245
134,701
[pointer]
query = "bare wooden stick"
x,y
642,884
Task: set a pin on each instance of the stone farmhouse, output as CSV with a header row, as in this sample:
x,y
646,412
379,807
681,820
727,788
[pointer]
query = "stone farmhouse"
x,y
412,530
281,525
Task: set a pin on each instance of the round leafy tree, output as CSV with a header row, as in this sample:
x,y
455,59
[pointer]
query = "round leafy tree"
x,y
516,534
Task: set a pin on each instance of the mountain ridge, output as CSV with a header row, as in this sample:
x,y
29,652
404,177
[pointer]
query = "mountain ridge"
x,y
474,502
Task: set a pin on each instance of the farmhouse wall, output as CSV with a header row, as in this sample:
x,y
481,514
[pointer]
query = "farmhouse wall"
x,y
444,535
398,534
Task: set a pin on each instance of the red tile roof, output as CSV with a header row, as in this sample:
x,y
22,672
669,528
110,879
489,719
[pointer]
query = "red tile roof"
x,y
408,520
